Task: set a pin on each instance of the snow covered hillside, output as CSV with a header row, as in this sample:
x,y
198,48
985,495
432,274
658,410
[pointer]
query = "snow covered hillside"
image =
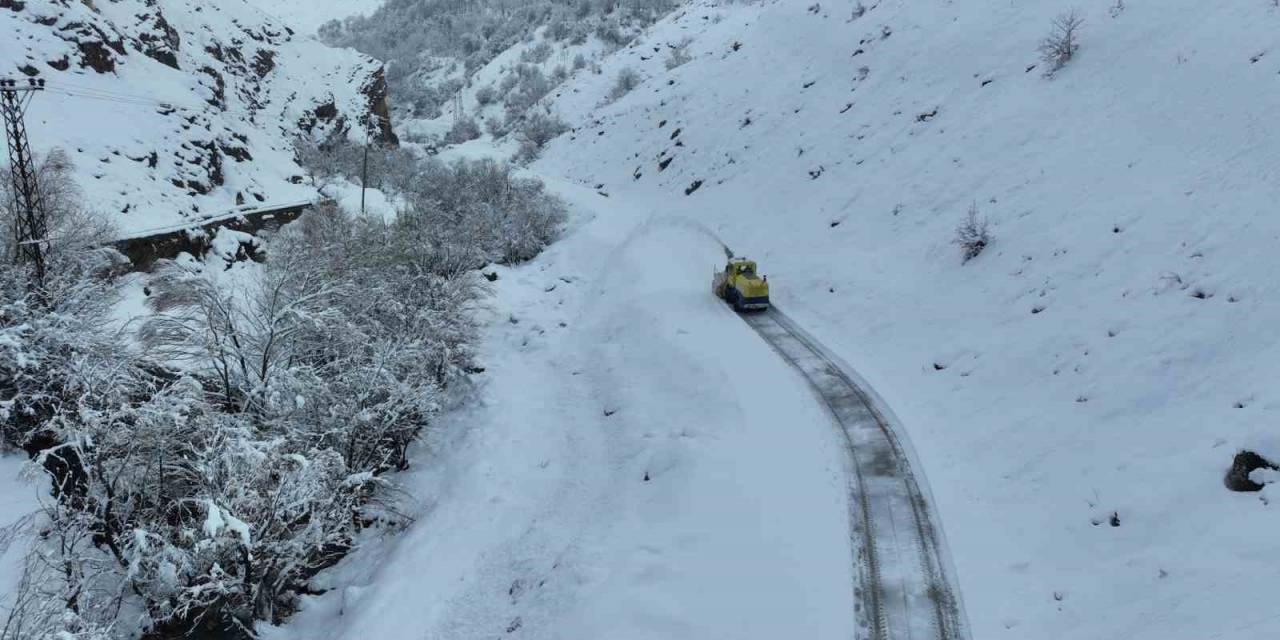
x,y
495,97
639,463
435,49
178,109
306,16
1076,392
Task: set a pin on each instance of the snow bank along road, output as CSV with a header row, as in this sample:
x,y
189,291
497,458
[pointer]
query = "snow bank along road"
x,y
903,574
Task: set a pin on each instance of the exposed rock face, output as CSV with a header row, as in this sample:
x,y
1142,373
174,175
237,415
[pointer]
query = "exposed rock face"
x,y
1239,478
184,108
376,92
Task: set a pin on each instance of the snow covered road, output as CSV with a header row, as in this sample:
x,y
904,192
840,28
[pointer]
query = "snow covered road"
x,y
639,465
904,570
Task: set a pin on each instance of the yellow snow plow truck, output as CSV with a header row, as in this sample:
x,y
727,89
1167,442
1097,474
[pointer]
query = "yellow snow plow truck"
x,y
740,286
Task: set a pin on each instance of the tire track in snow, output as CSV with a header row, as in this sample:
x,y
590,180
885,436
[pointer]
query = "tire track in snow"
x,y
903,576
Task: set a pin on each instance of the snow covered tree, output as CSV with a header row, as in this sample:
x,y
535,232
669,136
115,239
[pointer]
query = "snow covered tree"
x,y
199,483
486,95
465,129
536,130
56,351
413,36
973,234
1061,45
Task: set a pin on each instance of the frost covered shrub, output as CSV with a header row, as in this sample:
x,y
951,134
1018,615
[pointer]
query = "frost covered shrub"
x,y
973,234
204,500
55,348
496,127
536,130
559,30
508,83
214,520
465,129
216,495
610,32
425,99
579,62
200,482
468,214
72,228
531,87
413,35
200,519
536,54
628,79
338,158
56,355
486,95
679,55
1061,45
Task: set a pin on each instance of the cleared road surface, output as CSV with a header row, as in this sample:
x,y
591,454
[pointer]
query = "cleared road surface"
x,y
904,587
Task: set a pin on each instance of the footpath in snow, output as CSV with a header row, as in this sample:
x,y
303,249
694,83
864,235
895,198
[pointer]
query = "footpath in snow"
x,y
639,465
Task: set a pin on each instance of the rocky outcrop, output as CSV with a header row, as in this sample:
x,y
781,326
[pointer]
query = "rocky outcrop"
x,y
376,93
1240,476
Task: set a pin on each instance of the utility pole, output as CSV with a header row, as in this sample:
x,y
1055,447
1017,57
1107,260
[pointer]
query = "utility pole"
x,y
364,171
29,222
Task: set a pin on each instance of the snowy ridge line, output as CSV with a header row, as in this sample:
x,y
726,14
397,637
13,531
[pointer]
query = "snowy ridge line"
x,y
904,573
230,214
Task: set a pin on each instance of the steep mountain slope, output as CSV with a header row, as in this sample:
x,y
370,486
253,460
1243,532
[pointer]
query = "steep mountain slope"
x,y
433,47
174,109
1077,392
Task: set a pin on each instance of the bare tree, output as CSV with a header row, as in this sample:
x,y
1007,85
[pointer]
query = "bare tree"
x,y
1062,43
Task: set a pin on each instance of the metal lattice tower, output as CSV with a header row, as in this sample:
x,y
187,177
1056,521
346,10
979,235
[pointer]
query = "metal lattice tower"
x,y
29,220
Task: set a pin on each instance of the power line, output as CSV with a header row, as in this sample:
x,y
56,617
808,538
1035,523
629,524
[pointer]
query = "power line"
x,y
144,101
56,84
